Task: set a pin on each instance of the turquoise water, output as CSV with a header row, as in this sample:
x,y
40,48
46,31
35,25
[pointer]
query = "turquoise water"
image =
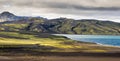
x,y
100,39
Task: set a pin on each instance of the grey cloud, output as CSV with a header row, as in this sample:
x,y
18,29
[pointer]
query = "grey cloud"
x,y
67,7
79,7
67,4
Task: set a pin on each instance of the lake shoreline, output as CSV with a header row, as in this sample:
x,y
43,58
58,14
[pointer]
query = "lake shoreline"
x,y
107,45
65,35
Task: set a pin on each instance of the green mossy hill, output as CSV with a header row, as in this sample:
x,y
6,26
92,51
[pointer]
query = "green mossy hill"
x,y
70,26
64,26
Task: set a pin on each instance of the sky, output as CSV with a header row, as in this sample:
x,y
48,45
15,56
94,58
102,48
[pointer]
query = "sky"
x,y
76,9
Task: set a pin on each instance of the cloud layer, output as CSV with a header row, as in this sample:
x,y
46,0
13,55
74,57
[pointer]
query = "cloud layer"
x,y
79,9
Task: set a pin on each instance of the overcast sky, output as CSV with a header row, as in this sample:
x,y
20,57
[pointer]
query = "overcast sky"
x,y
77,9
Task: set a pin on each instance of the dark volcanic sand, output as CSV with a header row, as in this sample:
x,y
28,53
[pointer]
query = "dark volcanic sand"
x,y
58,58
65,57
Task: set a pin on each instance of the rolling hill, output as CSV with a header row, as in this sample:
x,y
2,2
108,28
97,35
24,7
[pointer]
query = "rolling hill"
x,y
62,26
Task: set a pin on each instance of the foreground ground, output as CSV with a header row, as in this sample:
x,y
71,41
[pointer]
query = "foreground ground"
x,y
17,46
64,57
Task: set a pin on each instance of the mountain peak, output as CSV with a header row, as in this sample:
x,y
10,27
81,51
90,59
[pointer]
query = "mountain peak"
x,y
6,13
7,16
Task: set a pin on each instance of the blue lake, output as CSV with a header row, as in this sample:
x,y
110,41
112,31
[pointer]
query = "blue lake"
x,y
100,39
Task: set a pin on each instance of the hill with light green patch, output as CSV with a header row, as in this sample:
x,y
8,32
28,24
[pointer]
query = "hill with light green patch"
x,y
58,25
71,26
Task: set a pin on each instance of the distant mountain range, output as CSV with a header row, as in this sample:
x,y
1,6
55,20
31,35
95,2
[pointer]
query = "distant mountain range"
x,y
10,22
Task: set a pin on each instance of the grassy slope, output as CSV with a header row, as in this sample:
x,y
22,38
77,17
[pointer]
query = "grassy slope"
x,y
55,44
32,43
